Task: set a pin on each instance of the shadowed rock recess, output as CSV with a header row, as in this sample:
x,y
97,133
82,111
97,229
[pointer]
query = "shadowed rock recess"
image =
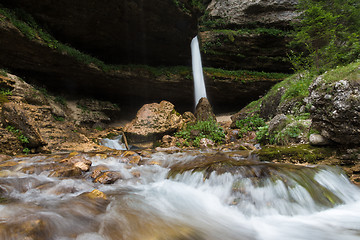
x,y
131,34
130,31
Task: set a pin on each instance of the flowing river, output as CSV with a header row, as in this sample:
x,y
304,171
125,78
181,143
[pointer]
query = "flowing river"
x,y
199,195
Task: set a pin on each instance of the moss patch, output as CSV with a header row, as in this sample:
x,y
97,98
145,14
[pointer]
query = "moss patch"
x,y
244,75
303,153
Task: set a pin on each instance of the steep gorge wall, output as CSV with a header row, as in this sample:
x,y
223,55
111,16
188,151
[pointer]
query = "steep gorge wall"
x,y
147,32
247,34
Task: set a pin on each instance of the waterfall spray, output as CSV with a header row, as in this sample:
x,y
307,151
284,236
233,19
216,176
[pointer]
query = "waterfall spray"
x,y
199,84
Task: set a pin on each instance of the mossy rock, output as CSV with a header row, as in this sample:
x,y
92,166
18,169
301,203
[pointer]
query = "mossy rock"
x,y
297,153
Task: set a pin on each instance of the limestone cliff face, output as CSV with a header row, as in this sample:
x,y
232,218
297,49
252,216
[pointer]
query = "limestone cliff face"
x,y
239,34
155,32
128,31
274,13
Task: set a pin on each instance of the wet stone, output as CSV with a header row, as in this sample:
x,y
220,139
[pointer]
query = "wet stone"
x,y
96,171
66,171
108,177
79,162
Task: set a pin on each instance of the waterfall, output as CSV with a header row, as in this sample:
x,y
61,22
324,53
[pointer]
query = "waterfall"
x,y
199,84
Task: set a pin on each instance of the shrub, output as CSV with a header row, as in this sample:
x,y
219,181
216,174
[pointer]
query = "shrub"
x,y
202,129
294,128
250,123
328,31
23,139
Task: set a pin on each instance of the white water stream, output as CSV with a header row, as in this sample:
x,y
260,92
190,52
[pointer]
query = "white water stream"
x,y
199,83
115,143
252,201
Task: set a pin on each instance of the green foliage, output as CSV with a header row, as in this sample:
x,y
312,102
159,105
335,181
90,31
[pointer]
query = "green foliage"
x,y
296,153
189,6
28,26
244,75
23,139
60,100
26,151
57,118
329,33
202,129
259,30
43,90
263,135
293,129
350,72
3,73
250,123
98,128
83,108
4,93
298,86
207,22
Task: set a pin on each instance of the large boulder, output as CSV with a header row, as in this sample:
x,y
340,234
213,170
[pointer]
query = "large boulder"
x,y
335,106
152,122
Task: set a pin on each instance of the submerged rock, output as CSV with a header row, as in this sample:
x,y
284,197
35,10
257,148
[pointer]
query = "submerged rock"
x,y
108,177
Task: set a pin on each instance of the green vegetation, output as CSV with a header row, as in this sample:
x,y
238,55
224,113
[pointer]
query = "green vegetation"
x,y
295,87
60,119
26,151
245,31
98,128
193,133
83,108
43,90
28,26
23,139
329,32
297,153
350,72
294,128
190,6
4,93
207,22
244,75
251,123
3,72
61,100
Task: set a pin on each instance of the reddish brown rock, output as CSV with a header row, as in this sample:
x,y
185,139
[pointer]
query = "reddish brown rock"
x,y
152,122
108,177
78,161
97,171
